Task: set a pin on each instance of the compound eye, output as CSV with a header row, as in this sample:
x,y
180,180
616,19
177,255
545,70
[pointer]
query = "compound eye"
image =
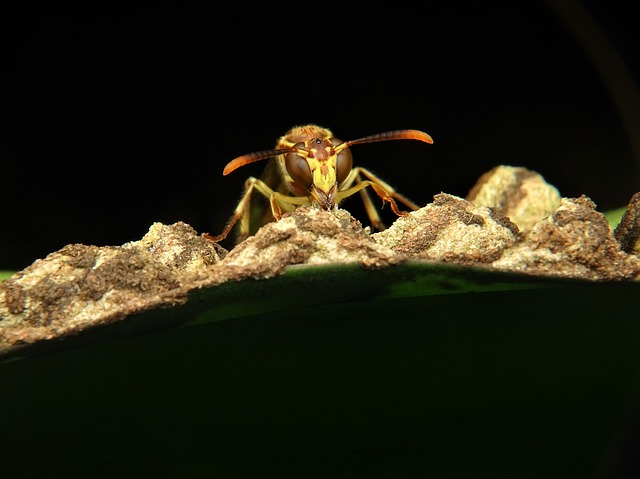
x,y
298,168
344,163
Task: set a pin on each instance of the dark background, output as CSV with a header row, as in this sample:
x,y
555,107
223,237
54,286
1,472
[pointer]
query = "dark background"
x,y
113,121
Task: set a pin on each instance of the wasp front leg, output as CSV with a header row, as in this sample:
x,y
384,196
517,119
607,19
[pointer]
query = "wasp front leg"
x,y
387,193
242,213
354,183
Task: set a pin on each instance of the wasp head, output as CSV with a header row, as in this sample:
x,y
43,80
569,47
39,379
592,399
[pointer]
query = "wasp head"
x,y
319,165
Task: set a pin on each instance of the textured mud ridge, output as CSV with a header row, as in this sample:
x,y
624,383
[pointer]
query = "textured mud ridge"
x,y
512,220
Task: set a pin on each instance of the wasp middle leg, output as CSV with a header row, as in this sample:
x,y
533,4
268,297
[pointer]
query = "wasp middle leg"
x,y
242,213
354,183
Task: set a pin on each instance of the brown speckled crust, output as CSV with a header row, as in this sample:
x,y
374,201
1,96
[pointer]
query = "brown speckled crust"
x,y
178,246
460,208
15,297
628,230
79,286
308,235
519,193
451,229
575,241
511,195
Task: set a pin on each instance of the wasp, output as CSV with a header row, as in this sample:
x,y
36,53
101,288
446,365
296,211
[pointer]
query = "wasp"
x,y
309,166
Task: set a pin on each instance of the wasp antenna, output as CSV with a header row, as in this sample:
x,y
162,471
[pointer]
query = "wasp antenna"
x,y
392,135
251,158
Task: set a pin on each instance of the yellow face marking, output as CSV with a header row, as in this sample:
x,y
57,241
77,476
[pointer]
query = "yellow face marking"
x,y
323,169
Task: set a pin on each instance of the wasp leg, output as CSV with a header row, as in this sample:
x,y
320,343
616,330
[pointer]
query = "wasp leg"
x,y
355,177
278,201
386,193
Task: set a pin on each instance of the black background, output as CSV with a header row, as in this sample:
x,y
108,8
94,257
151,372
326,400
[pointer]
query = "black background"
x,y
115,120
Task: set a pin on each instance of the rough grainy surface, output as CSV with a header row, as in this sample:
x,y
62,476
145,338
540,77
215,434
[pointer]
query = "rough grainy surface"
x,y
519,193
81,286
310,236
628,231
575,241
451,229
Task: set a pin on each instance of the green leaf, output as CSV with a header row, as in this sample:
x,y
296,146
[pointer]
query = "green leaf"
x,y
5,274
614,216
419,370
